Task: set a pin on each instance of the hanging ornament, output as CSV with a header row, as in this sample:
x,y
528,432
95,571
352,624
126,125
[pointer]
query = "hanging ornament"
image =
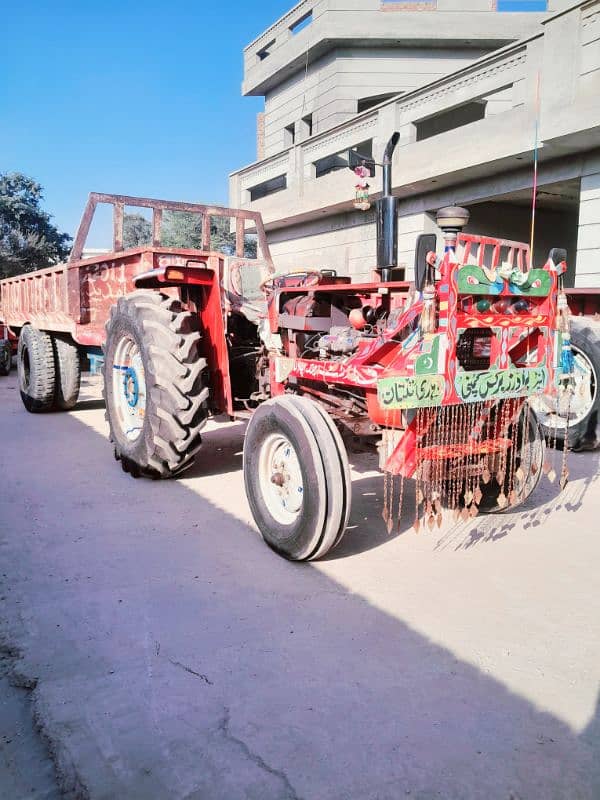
x,y
428,314
361,198
564,326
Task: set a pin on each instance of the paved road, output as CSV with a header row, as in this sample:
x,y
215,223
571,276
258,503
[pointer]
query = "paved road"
x,y
177,657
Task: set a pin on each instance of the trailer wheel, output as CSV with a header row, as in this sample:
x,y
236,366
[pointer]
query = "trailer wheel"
x,y
37,373
296,478
529,457
584,405
68,373
5,357
154,384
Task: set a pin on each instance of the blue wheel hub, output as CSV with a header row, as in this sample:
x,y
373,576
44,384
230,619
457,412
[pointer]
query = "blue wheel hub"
x,y
131,387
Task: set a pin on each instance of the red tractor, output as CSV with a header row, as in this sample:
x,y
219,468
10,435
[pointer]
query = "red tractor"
x,y
436,374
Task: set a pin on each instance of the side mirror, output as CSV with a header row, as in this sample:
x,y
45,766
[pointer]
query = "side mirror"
x,y
426,243
557,254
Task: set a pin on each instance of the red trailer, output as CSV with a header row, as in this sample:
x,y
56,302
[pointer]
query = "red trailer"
x,y
59,314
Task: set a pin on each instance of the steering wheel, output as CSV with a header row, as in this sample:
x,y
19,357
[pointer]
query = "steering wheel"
x,y
308,277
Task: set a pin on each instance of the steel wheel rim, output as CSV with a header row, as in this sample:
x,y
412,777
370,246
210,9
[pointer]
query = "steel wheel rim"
x,y
280,479
129,388
554,415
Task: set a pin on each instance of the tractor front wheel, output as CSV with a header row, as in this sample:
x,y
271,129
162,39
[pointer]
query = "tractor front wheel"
x,y
154,384
297,477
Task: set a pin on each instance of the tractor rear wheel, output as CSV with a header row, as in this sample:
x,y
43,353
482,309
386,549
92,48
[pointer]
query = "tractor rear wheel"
x,y
154,384
68,372
297,478
36,369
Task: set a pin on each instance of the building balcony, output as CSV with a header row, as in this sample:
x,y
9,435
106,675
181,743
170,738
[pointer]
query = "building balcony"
x,y
313,27
478,121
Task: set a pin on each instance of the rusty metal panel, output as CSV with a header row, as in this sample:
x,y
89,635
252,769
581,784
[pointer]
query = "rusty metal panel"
x,y
118,214
205,232
239,237
156,226
118,200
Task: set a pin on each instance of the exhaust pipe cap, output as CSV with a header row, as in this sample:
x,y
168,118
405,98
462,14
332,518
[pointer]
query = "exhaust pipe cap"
x,y
452,218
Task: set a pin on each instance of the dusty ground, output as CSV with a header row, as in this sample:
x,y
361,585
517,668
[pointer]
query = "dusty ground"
x,y
174,656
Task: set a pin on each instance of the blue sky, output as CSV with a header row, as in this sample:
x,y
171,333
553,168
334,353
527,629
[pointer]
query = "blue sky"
x,y
128,97
138,97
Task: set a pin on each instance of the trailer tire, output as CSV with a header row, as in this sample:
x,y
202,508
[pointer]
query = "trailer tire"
x,y
68,372
585,338
156,428
36,369
295,478
5,357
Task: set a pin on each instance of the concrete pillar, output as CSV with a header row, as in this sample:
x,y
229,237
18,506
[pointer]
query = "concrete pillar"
x,y
588,234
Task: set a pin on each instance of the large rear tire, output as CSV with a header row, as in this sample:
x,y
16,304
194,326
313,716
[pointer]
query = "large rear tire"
x,y
68,372
297,478
154,384
36,369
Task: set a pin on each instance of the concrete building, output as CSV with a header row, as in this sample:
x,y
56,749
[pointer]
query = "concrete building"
x,y
466,84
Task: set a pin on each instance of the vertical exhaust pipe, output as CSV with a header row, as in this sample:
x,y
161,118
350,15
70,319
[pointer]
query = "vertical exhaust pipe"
x,y
387,218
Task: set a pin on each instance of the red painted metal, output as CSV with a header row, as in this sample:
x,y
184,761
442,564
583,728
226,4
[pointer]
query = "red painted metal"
x,y
392,352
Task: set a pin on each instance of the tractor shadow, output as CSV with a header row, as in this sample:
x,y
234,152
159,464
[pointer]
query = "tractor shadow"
x,y
368,530
221,452
547,499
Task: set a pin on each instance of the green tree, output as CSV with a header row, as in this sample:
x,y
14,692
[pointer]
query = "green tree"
x,y
137,230
183,229
28,240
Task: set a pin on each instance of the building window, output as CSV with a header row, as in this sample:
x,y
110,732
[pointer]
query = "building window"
x,y
306,126
323,166
301,23
265,51
289,135
449,120
365,103
521,5
268,187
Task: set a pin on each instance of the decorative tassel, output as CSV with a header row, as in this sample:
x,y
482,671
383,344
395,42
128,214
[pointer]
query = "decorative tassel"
x,y
361,198
428,313
566,363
